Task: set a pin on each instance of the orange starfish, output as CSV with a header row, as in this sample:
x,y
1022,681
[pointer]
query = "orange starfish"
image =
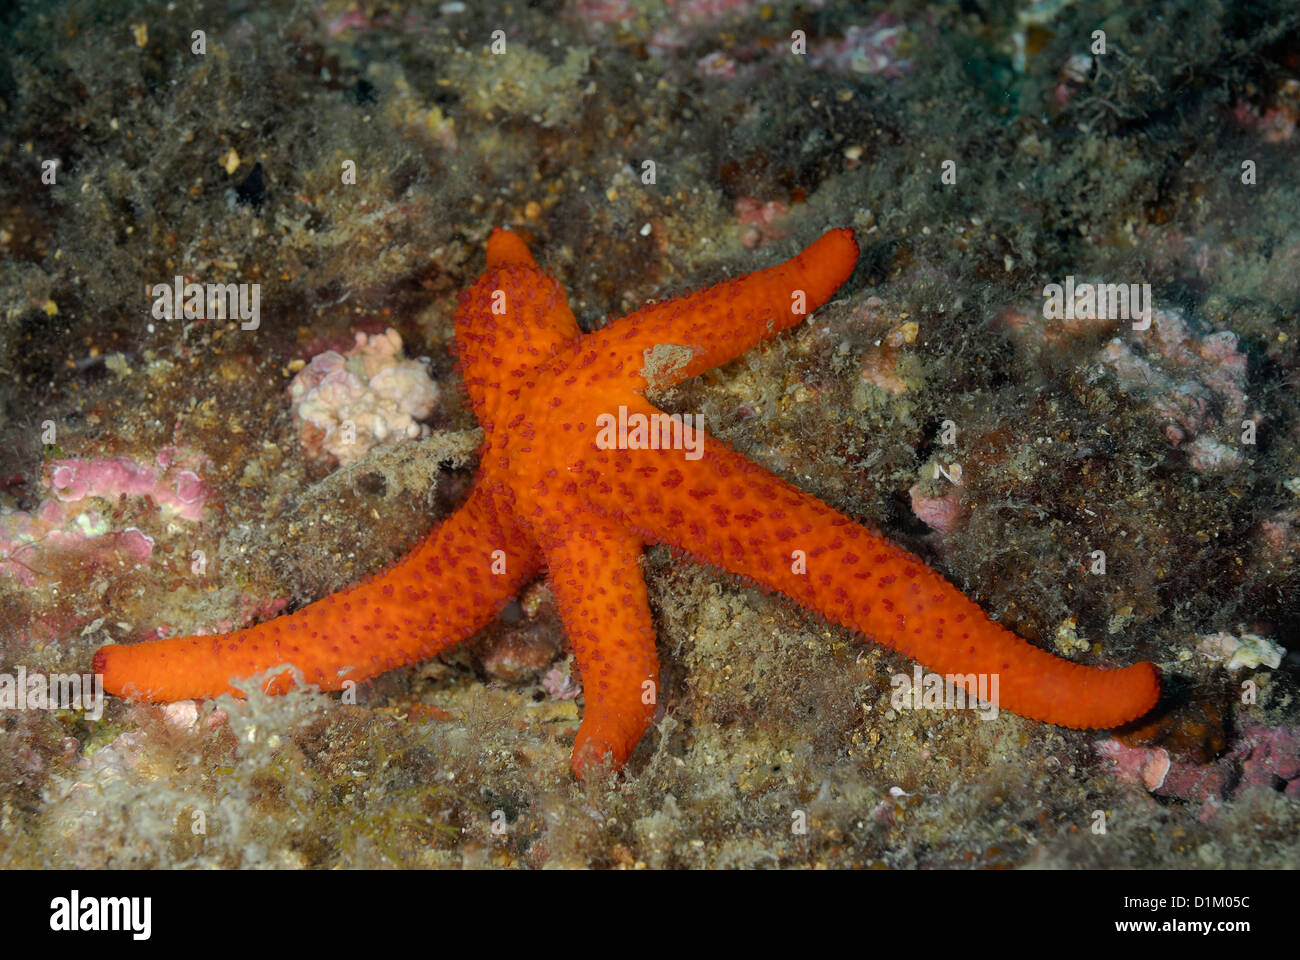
x,y
559,489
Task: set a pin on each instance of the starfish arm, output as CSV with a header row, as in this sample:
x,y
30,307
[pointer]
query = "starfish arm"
x,y
437,595
720,323
737,516
596,576
512,318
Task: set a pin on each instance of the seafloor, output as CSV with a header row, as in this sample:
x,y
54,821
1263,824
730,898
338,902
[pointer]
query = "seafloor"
x,y
1169,159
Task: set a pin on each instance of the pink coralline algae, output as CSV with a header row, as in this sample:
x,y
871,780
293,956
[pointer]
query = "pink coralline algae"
x,y
938,513
349,403
600,12
1164,776
561,684
1193,383
354,19
1262,758
716,64
1275,122
1270,758
1148,766
66,522
30,541
874,49
757,220
1035,332
1074,74
1279,533
172,482
690,16
881,364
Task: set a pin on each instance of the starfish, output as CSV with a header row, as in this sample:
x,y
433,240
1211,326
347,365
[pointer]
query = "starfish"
x,y
556,490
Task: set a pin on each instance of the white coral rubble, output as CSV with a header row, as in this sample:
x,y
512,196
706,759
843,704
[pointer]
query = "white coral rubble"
x,y
350,403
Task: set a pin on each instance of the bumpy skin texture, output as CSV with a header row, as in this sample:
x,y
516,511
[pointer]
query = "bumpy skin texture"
x,y
547,496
